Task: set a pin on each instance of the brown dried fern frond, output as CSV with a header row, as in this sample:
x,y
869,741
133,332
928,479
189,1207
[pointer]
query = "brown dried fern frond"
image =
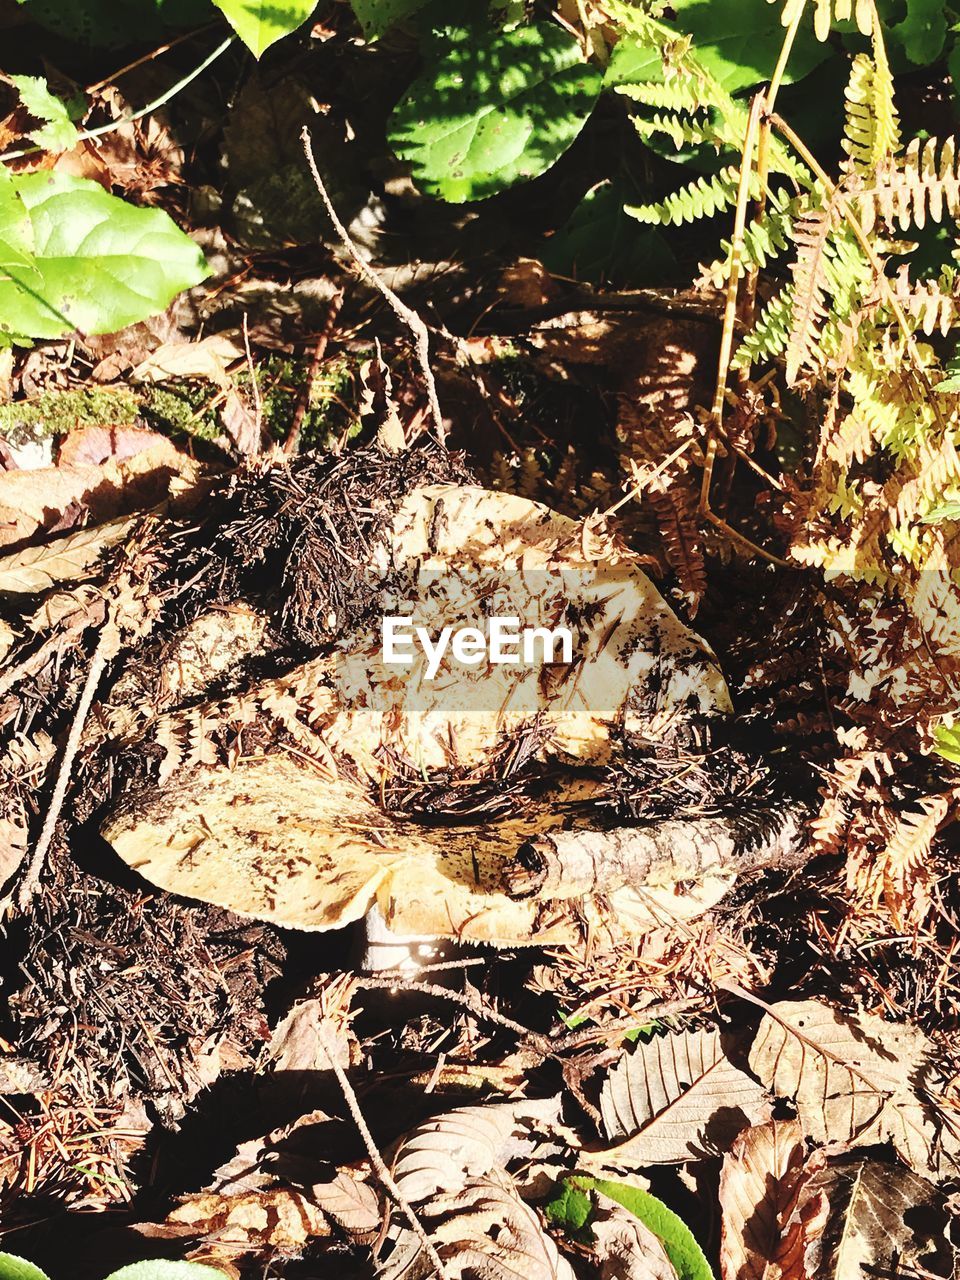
x,y
812,235
922,183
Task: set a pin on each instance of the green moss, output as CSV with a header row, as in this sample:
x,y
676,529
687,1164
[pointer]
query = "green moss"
x,y
54,413
331,414
183,407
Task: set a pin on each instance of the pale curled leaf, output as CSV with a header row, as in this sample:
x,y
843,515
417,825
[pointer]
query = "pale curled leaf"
x,y
625,1247
674,1099
441,1154
486,1232
856,1080
875,1219
759,1187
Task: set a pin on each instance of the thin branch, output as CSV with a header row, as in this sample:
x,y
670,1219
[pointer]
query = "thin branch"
x,y
86,134
254,381
473,1003
106,648
421,335
377,1160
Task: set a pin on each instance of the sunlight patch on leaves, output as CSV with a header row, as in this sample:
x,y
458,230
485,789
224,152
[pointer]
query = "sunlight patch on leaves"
x,y
499,108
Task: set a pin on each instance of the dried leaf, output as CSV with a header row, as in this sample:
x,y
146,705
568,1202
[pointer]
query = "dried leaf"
x,y
443,1153
66,559
674,1099
94,445
759,1188
625,1248
486,1233
857,1080
876,1220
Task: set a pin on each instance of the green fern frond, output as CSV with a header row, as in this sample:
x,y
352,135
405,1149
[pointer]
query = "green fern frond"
x,y
871,132
682,132
701,198
682,92
764,240
769,336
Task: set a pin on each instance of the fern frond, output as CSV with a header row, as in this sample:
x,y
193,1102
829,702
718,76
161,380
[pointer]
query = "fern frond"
x,y
871,133
811,234
906,876
826,10
769,336
764,240
701,198
682,132
932,304
924,182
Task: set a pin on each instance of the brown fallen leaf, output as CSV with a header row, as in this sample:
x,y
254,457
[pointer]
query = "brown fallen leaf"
x,y
673,1099
94,445
52,497
484,1231
859,1081
874,1219
760,1185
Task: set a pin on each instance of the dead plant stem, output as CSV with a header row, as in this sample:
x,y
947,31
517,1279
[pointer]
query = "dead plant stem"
x,y
106,648
421,335
377,1161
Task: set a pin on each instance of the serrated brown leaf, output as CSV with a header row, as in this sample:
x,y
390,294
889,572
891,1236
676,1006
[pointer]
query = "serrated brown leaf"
x,y
676,1098
759,1187
443,1153
857,1080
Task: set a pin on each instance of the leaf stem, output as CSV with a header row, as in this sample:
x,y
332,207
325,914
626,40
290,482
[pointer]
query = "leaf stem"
x,y
86,134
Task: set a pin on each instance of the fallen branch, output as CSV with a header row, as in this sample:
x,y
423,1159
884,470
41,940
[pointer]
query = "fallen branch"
x,y
376,1159
421,335
107,647
568,864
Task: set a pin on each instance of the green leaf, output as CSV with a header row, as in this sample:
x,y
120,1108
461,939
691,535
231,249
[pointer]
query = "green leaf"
x,y
261,23
599,242
945,511
686,1256
497,109
947,745
570,1209
111,23
378,16
161,1270
14,1268
75,257
923,31
739,41
58,133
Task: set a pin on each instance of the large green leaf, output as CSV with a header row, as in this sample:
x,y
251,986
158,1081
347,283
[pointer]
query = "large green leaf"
x,y
261,23
496,109
115,22
738,41
162,1270
75,257
14,1268
378,16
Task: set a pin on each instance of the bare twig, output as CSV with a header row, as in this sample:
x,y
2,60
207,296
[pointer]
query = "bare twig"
x,y
292,441
473,1003
85,134
421,335
376,1159
254,381
105,650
